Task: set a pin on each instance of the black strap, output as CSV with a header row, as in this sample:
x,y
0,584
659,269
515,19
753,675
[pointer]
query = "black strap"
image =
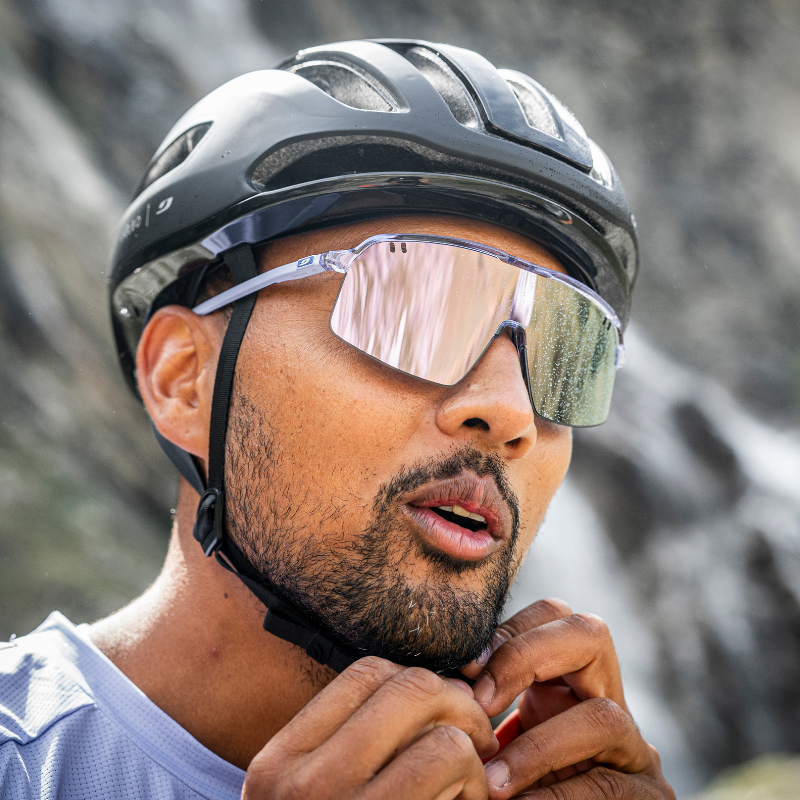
x,y
209,525
241,263
184,462
282,619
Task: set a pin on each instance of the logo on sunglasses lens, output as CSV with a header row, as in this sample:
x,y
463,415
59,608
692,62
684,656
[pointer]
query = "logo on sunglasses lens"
x,y
304,262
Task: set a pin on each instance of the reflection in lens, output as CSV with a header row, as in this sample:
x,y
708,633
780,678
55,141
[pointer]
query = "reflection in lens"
x,y
572,349
431,309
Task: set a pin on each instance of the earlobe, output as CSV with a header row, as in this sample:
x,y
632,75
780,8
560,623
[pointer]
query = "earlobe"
x,y
175,366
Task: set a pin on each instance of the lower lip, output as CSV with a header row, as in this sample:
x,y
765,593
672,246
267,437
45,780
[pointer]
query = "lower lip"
x,y
450,538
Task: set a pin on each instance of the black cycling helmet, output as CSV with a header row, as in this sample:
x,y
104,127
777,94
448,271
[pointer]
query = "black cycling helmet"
x,y
360,129
340,133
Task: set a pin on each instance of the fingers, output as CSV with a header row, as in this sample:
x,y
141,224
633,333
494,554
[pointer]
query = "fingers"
x,y
534,615
357,726
336,703
577,648
539,613
596,729
600,783
406,706
441,765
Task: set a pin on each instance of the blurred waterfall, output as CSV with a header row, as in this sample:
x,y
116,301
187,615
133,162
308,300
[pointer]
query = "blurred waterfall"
x,y
680,521
703,598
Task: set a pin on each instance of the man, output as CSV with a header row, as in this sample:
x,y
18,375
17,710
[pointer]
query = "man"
x,y
364,298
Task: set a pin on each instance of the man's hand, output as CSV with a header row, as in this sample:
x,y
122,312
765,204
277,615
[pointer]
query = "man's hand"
x,y
379,731
579,741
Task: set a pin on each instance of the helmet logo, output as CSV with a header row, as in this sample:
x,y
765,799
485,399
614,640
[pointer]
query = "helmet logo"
x,y
163,205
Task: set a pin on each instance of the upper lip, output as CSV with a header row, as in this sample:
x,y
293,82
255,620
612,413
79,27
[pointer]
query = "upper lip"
x,y
477,495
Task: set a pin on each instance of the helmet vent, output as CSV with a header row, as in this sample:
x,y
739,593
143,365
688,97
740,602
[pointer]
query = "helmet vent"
x,y
534,107
174,155
348,85
444,80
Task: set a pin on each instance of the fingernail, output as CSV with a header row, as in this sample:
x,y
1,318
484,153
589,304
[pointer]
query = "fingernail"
x,y
484,656
483,690
497,774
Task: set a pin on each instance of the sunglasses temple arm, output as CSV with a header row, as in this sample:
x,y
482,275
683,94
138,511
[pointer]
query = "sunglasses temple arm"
x,y
304,268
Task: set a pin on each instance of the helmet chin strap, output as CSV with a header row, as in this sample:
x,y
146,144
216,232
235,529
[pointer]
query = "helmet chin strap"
x,y
282,619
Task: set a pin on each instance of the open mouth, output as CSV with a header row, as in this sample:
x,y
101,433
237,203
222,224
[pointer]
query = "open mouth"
x,y
460,516
463,516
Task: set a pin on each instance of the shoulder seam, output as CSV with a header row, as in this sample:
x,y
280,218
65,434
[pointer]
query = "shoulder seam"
x,y
4,739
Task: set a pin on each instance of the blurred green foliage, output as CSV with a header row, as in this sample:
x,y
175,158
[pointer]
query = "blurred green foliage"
x,y
771,777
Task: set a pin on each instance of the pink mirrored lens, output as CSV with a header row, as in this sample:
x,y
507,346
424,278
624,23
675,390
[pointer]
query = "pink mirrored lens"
x,y
431,310
426,309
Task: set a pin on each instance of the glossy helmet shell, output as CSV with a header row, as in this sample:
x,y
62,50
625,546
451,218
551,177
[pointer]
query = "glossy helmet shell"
x,y
363,129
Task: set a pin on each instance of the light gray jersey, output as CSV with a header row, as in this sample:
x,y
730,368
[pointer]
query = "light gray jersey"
x,y
73,727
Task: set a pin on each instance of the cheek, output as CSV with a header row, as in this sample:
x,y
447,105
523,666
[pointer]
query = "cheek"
x,y
544,471
342,425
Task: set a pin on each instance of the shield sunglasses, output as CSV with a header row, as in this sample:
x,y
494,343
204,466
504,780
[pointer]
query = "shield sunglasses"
x,y
430,306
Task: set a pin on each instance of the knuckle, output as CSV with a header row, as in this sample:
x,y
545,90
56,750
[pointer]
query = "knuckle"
x,y
536,614
370,671
607,784
506,631
612,720
598,783
300,785
513,662
556,606
257,784
418,681
536,750
517,650
264,773
559,791
592,624
550,793
451,743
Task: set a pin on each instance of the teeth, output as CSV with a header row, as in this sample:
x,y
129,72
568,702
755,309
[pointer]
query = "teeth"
x,y
462,512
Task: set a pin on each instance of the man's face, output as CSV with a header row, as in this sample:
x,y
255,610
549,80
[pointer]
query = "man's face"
x,y
347,481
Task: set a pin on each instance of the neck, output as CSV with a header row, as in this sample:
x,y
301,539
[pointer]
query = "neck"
x,y
193,643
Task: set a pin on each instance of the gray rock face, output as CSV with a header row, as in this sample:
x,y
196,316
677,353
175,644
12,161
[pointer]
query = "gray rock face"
x,y
680,522
83,510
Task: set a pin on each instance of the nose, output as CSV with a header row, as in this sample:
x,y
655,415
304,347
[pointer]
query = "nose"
x,y
490,406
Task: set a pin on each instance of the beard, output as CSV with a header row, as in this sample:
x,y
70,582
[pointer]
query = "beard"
x,y
355,585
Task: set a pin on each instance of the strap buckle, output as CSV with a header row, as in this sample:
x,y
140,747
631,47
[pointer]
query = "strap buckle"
x,y
319,648
209,523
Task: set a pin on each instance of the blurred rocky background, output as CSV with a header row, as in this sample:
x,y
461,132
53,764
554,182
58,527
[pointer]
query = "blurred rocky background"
x,y
680,522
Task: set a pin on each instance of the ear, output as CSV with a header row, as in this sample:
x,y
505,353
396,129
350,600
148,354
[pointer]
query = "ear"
x,y
176,364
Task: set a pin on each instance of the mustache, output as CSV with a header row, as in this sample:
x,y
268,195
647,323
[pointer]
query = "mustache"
x,y
466,458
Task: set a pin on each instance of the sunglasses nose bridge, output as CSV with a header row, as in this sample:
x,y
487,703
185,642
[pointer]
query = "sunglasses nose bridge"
x,y
515,331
